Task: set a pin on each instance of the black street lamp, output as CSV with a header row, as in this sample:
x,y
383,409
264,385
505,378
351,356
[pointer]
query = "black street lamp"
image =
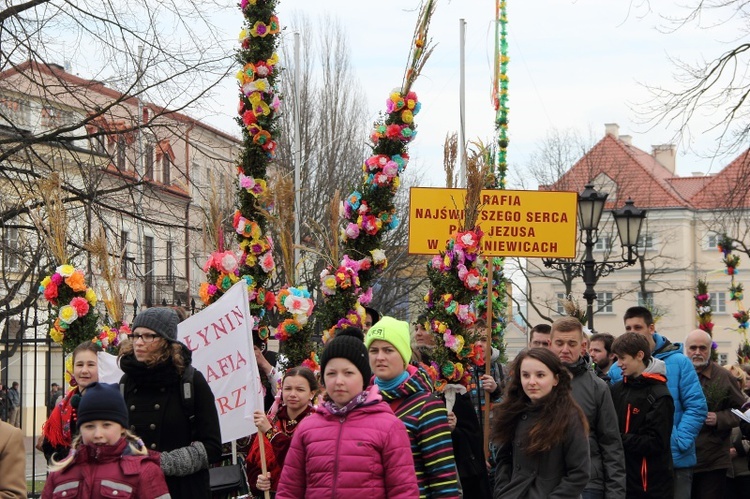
x,y
628,219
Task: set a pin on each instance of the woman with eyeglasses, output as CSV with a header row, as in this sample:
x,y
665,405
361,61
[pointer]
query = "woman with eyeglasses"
x,y
60,428
157,375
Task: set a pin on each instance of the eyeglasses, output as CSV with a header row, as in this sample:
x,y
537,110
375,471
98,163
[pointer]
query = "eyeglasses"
x,y
147,338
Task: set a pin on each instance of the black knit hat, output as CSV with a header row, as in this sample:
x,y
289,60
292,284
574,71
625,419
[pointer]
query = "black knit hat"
x,y
348,347
161,320
102,402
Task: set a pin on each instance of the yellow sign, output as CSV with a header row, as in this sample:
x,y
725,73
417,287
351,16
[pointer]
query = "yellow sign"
x,y
515,223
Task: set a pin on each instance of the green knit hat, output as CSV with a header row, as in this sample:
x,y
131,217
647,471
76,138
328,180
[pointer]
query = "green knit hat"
x,y
393,331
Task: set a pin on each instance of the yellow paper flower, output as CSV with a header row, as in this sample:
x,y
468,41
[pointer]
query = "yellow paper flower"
x,y
68,314
56,335
329,282
65,270
91,296
243,34
45,282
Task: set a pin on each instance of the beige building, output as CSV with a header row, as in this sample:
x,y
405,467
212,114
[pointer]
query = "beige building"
x,y
685,218
144,175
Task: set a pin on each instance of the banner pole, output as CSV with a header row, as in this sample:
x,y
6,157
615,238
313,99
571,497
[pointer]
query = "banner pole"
x,y
263,469
488,357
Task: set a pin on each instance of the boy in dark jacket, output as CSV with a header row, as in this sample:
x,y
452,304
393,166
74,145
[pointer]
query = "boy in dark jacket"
x,y
645,411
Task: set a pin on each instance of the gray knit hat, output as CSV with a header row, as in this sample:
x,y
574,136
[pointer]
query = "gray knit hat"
x,y
161,320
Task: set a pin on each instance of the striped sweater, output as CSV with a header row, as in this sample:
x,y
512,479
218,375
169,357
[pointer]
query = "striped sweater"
x,y
426,421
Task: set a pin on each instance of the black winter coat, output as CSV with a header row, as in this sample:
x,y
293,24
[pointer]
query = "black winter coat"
x,y
645,411
158,417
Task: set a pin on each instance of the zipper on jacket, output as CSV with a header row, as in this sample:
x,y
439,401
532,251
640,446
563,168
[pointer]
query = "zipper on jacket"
x,y
627,420
336,461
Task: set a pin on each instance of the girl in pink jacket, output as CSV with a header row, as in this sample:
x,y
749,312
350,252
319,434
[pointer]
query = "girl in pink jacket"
x,y
354,443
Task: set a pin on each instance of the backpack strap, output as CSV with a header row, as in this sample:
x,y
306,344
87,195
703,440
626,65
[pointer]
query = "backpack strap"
x,y
187,397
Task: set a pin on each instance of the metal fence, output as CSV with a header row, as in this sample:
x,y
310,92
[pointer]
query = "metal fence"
x,y
29,357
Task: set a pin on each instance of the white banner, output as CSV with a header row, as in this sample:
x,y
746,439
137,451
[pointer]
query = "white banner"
x,y
220,337
109,371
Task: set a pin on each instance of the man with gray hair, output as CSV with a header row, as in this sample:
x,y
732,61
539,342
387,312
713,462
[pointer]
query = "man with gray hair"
x,y
713,442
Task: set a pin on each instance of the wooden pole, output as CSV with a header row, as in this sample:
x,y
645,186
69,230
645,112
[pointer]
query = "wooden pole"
x,y
262,447
488,357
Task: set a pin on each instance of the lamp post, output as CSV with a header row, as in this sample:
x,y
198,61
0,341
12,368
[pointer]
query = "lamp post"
x,y
628,219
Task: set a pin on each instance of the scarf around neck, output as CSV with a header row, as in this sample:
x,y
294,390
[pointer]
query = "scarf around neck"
x,y
357,401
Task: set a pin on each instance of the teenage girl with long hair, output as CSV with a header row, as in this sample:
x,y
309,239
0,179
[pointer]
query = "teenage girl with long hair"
x,y
541,432
298,389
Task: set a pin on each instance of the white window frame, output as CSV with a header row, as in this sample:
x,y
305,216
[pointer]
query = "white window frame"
x,y
604,243
711,241
647,301
560,308
11,238
718,302
645,242
603,297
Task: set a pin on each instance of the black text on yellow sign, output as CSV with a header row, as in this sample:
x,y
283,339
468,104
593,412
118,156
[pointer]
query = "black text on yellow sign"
x,y
515,223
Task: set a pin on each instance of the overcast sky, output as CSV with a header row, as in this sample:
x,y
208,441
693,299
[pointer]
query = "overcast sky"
x,y
573,65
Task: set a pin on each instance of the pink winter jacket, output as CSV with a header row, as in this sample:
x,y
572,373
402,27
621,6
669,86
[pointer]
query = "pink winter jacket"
x,y
366,451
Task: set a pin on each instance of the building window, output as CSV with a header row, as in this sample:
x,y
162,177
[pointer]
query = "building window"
x,y
120,153
170,261
560,308
718,302
645,242
166,165
604,303
149,160
712,241
98,143
646,299
723,359
148,270
10,248
604,243
124,241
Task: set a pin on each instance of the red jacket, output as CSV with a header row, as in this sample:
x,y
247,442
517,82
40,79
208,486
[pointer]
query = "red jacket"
x,y
341,457
108,471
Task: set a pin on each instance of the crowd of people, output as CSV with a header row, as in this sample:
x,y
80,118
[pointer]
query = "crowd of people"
x,y
572,416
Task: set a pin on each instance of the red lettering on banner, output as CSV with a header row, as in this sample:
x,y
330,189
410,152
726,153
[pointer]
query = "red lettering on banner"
x,y
233,401
216,330
224,366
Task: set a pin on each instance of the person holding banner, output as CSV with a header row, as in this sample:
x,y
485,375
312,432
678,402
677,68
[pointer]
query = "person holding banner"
x,y
541,432
60,428
170,404
353,443
298,390
408,390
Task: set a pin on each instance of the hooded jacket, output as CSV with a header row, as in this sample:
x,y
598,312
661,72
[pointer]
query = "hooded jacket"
x,y
365,453
645,411
108,471
690,408
426,421
607,458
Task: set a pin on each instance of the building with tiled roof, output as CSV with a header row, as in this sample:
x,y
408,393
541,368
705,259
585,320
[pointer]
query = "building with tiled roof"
x,y
140,173
678,240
